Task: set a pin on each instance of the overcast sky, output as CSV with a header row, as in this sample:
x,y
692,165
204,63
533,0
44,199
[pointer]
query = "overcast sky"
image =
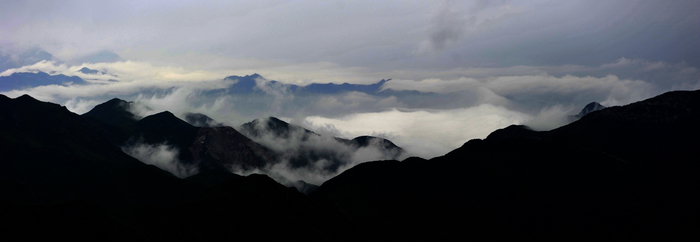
x,y
488,64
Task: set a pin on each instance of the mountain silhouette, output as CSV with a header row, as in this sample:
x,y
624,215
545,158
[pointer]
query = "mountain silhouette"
x,y
199,147
247,84
58,156
621,172
21,80
303,148
86,70
589,108
201,120
61,177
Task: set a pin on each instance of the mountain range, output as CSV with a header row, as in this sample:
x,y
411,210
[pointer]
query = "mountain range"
x,y
247,84
242,84
619,173
302,147
205,144
22,80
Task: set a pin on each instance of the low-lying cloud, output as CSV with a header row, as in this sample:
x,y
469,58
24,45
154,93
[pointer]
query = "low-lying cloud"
x,y
425,133
609,89
313,158
161,156
550,118
428,112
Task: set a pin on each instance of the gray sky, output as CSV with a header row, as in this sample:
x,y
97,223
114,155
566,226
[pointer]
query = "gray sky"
x,y
497,62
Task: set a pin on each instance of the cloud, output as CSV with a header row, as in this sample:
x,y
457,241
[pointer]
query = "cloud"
x,y
447,25
550,118
567,89
425,133
278,90
310,157
377,35
478,65
161,156
28,57
529,91
183,100
120,78
80,106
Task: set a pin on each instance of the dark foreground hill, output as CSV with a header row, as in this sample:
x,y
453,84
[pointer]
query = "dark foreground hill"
x,y
200,148
620,173
57,156
62,178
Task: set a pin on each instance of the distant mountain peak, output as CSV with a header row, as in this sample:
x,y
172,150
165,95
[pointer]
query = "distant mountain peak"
x,y
201,120
22,80
163,114
246,84
589,108
272,125
117,101
26,97
86,70
115,112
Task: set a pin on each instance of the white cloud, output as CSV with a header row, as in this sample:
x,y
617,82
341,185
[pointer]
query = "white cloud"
x,y
550,118
278,91
80,106
425,133
161,156
122,78
323,156
527,91
609,88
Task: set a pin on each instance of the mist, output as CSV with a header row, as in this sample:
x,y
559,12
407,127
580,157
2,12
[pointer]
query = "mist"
x,y
162,156
550,118
311,157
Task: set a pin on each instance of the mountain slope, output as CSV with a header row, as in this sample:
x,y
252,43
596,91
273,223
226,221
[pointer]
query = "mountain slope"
x,y
62,178
114,118
304,148
224,146
621,172
59,156
201,120
20,80
200,147
589,108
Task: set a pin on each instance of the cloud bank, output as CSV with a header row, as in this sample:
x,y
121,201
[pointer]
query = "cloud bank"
x,y
425,133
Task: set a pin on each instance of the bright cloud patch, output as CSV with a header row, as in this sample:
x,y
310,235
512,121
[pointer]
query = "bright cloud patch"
x,y
424,133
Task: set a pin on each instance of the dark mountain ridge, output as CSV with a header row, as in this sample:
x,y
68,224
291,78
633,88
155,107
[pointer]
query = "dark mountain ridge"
x,y
201,120
60,156
621,172
303,147
594,106
246,84
19,80
61,177
200,147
